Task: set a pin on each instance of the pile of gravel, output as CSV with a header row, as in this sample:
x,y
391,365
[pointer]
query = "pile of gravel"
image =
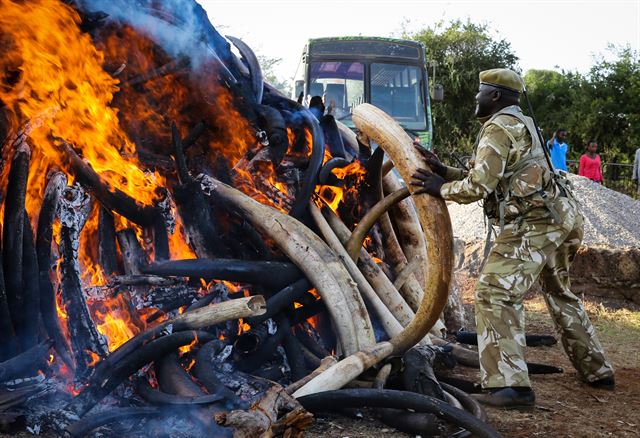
x,y
611,218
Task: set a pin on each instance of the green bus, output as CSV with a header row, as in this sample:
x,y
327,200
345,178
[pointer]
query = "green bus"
x,y
386,72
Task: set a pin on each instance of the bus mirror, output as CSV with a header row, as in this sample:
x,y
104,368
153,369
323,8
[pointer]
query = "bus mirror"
x,y
438,93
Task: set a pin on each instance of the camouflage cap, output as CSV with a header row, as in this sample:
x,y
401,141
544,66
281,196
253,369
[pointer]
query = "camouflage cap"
x,y
502,78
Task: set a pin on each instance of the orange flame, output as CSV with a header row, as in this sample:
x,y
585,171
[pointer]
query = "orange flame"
x,y
187,348
243,327
334,196
53,77
94,358
114,322
61,72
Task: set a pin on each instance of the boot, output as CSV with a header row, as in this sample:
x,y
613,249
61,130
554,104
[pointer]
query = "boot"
x,y
508,397
608,383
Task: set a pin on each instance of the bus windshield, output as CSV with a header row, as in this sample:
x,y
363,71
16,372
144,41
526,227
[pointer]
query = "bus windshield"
x,y
341,84
397,89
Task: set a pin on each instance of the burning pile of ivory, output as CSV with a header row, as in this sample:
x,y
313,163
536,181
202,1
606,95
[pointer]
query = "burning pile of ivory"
x,y
187,252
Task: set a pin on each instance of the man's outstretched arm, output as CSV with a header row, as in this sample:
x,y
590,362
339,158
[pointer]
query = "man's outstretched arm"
x,y
483,178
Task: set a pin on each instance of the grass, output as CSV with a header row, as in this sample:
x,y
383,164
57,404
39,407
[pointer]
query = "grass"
x,y
617,327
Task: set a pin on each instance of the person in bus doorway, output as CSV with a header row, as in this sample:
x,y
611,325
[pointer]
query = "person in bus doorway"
x,y
590,164
558,149
541,230
316,106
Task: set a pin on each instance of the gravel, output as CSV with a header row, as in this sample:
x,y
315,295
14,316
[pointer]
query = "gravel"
x,y
611,218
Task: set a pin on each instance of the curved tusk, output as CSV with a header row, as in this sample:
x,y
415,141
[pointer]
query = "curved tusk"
x,y
255,72
369,220
410,235
434,218
318,262
432,212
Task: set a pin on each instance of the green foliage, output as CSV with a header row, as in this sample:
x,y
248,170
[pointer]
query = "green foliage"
x,y
602,104
462,50
268,72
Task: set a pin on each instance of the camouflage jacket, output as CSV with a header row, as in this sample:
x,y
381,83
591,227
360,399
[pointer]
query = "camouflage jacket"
x,y
510,171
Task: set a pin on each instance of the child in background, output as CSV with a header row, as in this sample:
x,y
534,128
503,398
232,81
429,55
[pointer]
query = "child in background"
x,y
590,164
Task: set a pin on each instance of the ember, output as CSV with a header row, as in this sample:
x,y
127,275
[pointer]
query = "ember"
x,y
202,243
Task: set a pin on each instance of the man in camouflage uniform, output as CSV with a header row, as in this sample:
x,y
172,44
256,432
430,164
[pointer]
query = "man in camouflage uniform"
x,y
540,232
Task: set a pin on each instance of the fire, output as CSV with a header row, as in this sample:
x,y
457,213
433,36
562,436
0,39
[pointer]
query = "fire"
x,y
58,68
313,321
354,173
92,273
62,313
178,244
114,321
187,348
331,195
94,358
353,169
243,327
262,186
291,136
309,140
57,81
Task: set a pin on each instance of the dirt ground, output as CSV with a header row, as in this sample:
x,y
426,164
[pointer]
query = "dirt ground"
x,y
565,406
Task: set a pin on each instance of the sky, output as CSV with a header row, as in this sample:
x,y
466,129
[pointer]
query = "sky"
x,y
544,34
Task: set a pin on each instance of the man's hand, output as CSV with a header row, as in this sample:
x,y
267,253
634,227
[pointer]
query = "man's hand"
x,y
432,160
429,182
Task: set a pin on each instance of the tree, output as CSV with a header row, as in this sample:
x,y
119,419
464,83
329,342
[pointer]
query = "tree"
x,y
610,112
601,105
268,72
462,50
553,94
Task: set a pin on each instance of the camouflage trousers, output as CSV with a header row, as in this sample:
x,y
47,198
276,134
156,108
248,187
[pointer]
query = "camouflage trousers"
x,y
535,247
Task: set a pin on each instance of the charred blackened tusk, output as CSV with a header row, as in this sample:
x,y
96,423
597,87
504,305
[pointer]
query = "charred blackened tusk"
x,y
332,136
255,72
158,397
370,218
112,198
267,273
315,162
12,245
326,176
86,341
276,129
26,363
30,285
96,390
386,398
82,427
44,237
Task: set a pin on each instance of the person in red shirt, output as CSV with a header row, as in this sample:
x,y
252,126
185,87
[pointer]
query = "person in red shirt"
x,y
590,164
